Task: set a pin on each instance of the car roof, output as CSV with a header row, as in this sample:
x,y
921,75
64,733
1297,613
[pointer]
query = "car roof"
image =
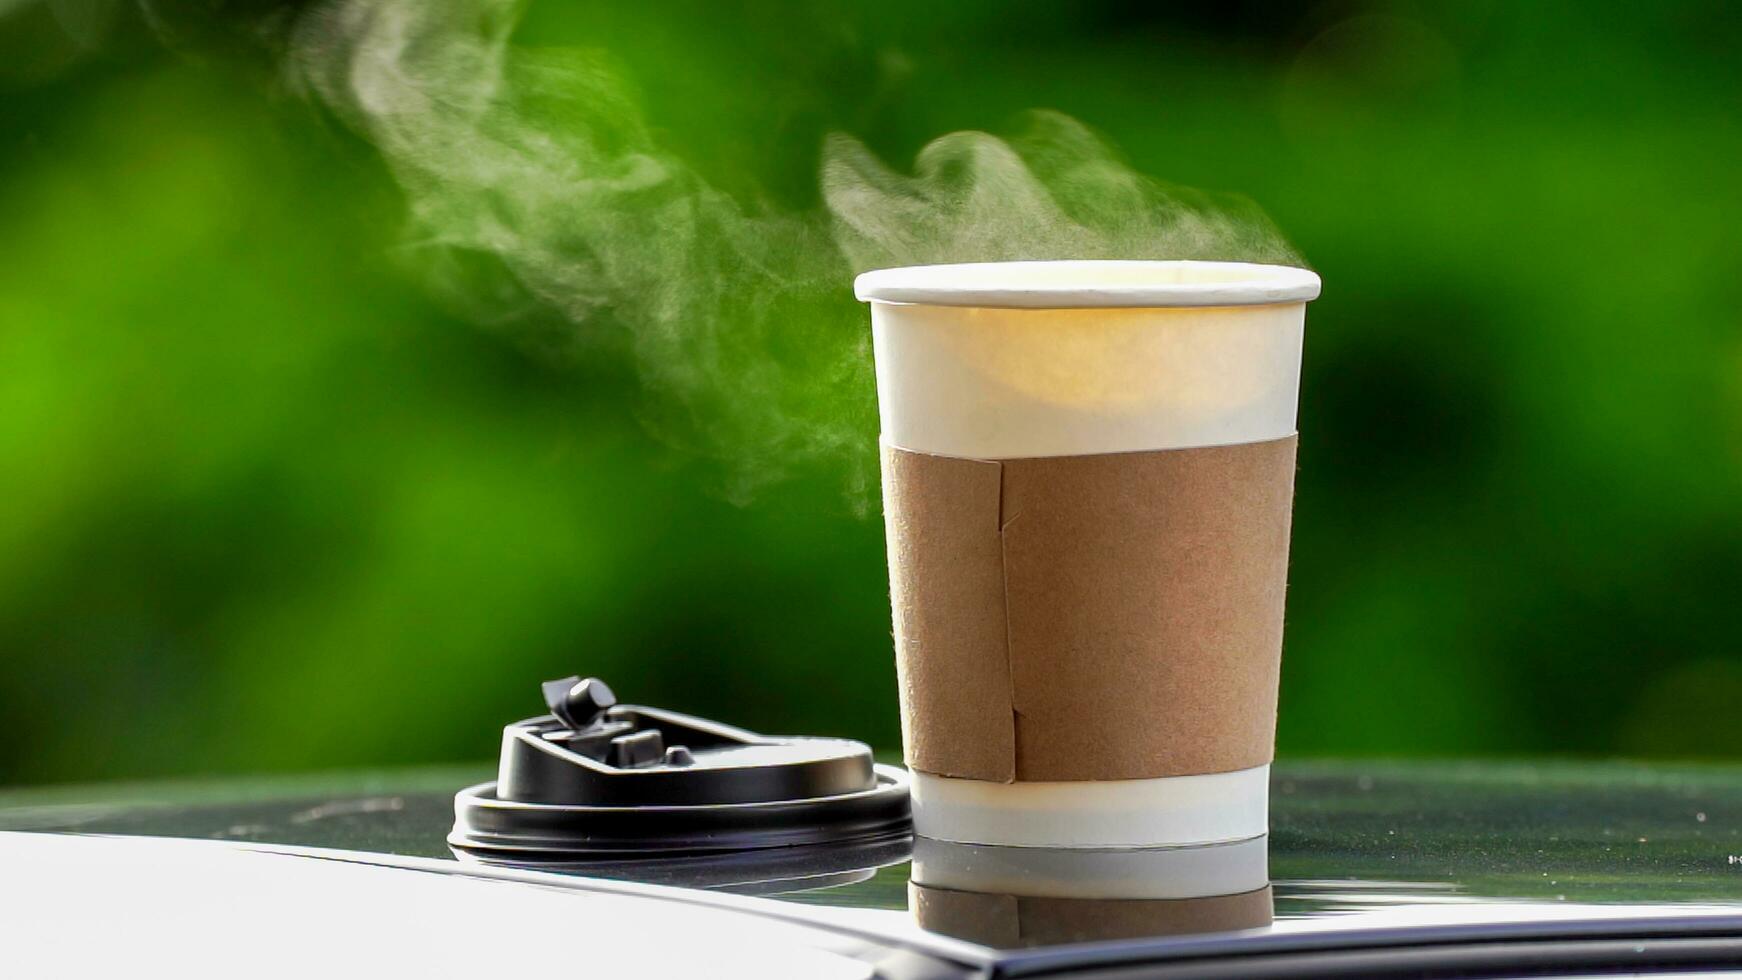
x,y
1360,854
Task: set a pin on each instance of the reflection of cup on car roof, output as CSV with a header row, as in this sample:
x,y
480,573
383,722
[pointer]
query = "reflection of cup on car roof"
x,y
1029,896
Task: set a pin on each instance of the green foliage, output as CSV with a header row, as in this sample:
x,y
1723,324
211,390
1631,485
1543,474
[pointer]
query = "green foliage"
x,y
273,502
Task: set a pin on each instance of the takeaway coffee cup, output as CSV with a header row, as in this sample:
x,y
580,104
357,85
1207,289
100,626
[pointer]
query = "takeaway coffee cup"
x,y
1087,477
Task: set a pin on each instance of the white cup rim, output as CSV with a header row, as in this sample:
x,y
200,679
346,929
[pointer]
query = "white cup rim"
x,y
1089,283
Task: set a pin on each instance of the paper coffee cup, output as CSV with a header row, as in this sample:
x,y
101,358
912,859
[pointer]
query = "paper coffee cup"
x,y
1026,896
1088,473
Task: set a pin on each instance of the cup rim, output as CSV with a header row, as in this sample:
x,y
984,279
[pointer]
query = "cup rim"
x,y
1089,283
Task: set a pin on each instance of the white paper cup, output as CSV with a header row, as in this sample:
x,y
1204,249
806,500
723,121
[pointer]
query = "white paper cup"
x,y
1015,360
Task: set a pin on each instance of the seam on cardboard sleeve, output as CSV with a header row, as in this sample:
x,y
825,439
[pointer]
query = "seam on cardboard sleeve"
x,y
1004,522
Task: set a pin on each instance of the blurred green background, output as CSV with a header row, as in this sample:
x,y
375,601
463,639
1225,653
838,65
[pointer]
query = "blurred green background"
x,y
269,501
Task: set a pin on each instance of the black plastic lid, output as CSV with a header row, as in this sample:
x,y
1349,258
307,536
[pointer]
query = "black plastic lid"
x,y
598,780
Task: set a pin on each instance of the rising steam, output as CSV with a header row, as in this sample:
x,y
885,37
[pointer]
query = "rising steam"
x,y
741,320
1057,191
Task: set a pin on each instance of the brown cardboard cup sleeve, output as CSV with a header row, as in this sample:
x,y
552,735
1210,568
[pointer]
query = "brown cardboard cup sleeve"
x,y
1109,616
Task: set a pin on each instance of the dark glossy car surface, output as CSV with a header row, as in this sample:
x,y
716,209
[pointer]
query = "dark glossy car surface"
x,y
1374,867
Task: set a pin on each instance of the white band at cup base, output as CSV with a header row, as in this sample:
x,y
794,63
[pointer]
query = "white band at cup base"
x,y
1165,812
